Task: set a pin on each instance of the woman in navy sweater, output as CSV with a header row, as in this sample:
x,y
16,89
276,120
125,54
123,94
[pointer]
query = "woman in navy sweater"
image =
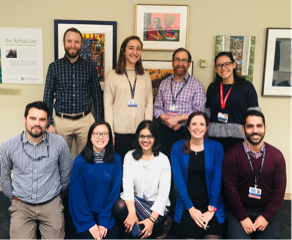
x,y
95,185
197,170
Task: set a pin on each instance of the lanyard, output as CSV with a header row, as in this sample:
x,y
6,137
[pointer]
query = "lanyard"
x,y
134,87
221,95
179,92
141,169
256,178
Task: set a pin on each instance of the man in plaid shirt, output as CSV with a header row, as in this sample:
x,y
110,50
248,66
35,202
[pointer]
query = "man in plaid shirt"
x,y
73,82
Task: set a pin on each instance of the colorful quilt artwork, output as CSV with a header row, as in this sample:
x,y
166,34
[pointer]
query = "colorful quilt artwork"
x,y
161,27
93,51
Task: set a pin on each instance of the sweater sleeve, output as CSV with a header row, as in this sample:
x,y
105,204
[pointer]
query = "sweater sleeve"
x,y
230,181
208,105
106,213
279,186
251,96
217,175
128,183
178,175
149,99
78,205
163,189
108,98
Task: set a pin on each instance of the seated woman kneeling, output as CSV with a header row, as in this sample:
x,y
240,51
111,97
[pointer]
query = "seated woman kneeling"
x,y
146,183
95,185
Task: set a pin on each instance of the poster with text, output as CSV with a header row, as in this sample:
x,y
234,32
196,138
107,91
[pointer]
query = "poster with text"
x,y
21,55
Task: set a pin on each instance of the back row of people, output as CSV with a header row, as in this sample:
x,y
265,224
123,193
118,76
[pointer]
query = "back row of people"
x,y
254,177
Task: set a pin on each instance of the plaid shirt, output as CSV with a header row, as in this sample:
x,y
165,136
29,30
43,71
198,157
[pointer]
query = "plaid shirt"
x,y
248,150
73,86
192,98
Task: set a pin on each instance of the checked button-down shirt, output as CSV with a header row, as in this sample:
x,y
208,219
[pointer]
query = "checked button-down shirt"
x,y
73,85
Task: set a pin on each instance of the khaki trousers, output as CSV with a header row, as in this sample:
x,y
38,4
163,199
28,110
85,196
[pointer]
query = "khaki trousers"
x,y
24,218
77,129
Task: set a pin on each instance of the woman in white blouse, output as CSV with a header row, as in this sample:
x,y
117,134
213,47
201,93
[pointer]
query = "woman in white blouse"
x,y
146,184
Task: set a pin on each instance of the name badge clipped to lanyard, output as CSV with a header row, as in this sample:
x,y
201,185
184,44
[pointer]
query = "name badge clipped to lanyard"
x,y
132,103
173,110
223,117
255,192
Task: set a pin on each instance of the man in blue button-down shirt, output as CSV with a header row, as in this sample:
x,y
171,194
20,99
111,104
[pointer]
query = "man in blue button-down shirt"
x,y
41,163
73,82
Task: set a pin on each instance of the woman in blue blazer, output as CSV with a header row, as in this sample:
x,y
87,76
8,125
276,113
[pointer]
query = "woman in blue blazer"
x,y
197,169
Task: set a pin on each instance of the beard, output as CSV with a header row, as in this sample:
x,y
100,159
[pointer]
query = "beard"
x,y
180,70
73,55
35,134
249,139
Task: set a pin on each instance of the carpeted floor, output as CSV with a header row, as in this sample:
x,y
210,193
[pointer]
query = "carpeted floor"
x,y
284,217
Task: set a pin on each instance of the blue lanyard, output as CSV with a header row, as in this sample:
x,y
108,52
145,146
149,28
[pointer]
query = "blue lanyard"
x,y
179,92
256,178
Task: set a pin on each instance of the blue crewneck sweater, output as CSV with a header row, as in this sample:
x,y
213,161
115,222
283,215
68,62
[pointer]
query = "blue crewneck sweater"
x,y
93,189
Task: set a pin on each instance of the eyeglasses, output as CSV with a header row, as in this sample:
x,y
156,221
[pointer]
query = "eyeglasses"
x,y
148,137
226,65
100,134
177,60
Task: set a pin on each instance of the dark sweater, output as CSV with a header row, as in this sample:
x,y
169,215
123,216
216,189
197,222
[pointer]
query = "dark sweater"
x,y
237,177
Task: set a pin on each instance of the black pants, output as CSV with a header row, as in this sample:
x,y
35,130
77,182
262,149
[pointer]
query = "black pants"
x,y
227,142
112,233
235,230
123,144
168,137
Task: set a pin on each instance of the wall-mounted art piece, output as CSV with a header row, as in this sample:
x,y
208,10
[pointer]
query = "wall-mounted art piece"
x,y
277,68
158,71
243,51
162,27
99,43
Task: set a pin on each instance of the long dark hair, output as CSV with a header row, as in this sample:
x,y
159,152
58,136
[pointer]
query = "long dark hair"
x,y
121,65
186,146
239,81
137,154
87,152
158,26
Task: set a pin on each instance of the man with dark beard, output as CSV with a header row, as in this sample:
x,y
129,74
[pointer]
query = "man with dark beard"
x,y
254,178
73,82
178,96
41,163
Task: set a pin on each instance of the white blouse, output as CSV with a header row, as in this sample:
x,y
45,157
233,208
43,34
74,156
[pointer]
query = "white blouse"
x,y
152,180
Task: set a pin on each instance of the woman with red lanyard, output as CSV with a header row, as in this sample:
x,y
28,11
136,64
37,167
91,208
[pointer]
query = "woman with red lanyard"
x,y
229,97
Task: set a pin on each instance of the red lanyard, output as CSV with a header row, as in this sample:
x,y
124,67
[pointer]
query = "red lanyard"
x,y
221,95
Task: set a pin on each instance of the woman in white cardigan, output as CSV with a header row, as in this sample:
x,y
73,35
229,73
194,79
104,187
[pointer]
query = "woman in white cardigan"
x,y
146,184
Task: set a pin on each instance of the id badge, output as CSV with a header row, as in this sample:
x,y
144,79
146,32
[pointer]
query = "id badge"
x,y
172,110
132,103
222,117
255,193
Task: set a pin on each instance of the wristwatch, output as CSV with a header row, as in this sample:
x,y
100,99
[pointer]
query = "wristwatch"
x,y
212,208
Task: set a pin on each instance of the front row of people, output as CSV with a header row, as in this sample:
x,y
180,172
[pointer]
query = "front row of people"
x,y
254,177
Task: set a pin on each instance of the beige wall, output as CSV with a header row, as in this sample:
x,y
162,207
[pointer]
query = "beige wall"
x,y
207,18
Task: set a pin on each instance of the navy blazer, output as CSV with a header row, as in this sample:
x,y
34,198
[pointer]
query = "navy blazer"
x,y
213,167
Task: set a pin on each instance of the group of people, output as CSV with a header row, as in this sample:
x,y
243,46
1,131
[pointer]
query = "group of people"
x,y
171,171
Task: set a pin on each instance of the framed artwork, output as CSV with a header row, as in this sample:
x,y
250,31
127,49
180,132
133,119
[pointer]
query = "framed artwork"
x,y
162,27
243,51
99,43
158,71
277,67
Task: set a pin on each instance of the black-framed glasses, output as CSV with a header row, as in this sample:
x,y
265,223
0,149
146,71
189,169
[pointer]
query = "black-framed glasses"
x,y
226,65
184,61
148,137
102,134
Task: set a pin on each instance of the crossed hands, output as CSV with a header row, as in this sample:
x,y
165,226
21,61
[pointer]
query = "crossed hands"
x,y
259,224
98,232
172,122
201,219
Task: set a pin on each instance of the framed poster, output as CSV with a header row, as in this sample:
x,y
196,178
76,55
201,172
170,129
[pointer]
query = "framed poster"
x,y
277,67
99,43
162,27
160,70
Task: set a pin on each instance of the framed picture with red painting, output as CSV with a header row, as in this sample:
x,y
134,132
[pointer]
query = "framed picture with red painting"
x,y
162,27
